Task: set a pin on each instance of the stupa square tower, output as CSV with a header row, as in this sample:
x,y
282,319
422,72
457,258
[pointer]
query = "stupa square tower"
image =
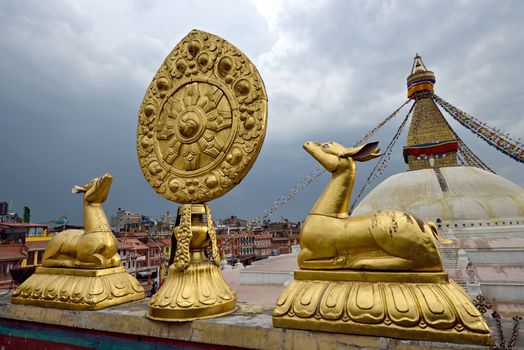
x,y
431,142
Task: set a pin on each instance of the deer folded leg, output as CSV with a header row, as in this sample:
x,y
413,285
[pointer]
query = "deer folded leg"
x,y
382,264
59,262
51,251
321,264
94,261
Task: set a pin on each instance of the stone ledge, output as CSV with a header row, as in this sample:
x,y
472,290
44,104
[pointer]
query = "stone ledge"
x,y
248,327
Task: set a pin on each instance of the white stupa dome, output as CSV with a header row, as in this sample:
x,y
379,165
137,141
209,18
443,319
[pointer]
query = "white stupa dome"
x,y
449,194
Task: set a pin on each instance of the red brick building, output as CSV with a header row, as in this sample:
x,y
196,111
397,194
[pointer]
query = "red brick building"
x,y
11,256
19,246
142,257
262,245
236,243
283,235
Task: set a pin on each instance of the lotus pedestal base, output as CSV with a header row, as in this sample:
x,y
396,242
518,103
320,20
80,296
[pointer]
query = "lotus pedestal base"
x,y
196,293
422,306
78,289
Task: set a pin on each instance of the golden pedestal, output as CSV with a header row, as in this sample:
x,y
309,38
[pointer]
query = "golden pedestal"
x,y
200,128
78,289
196,293
194,288
423,306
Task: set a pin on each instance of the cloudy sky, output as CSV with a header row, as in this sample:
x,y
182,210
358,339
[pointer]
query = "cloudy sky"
x,y
73,75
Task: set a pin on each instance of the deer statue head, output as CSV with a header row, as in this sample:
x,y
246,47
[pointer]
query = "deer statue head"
x,y
336,158
340,161
96,190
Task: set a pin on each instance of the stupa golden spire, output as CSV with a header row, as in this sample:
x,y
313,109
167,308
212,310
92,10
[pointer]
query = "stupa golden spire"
x,y
430,142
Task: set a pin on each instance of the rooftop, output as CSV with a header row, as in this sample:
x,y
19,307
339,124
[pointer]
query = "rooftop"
x,y
12,252
131,243
20,224
36,245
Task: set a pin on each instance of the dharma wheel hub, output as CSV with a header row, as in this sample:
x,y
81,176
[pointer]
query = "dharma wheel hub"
x,y
200,128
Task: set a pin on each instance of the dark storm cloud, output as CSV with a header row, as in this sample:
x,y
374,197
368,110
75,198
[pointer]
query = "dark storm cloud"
x,y
73,74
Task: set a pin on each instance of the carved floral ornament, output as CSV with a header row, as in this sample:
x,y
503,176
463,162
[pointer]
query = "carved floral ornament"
x,y
202,121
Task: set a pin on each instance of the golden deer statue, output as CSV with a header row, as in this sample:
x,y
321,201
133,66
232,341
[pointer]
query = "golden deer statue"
x,y
81,268
95,246
381,241
377,274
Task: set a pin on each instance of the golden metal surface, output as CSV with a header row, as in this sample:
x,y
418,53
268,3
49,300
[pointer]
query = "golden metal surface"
x,y
203,120
379,274
95,247
194,288
193,234
81,268
382,241
79,272
423,311
371,276
78,289
200,128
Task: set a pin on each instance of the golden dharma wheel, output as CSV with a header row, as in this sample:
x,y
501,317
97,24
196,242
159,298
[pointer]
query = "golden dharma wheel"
x,y
203,119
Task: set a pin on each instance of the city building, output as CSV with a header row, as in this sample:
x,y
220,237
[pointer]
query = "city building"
x,y
166,242
283,235
11,257
142,257
238,243
21,245
127,221
262,245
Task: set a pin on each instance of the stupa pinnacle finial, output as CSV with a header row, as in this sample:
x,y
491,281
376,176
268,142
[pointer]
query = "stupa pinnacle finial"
x,y
421,79
418,65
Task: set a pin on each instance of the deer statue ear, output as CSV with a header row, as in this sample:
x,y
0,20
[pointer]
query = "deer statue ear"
x,y
362,153
78,189
376,153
